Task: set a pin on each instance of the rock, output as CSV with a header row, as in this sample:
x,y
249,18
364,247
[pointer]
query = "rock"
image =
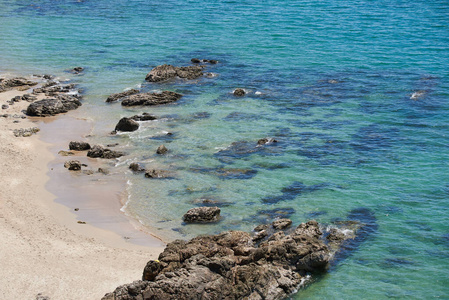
x,y
40,296
51,107
65,153
136,167
151,98
161,150
103,171
4,106
266,141
144,117
158,174
127,124
22,132
202,215
152,269
7,84
73,165
79,146
281,224
100,152
77,70
166,72
195,60
239,92
118,96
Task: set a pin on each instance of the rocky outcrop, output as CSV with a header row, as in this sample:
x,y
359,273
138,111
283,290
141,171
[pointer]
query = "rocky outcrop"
x,y
151,98
167,72
202,215
50,107
118,96
79,146
231,266
126,124
281,223
7,84
98,151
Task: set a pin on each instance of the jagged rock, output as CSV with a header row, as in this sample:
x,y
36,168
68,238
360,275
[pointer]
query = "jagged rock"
x,y
202,215
136,167
22,132
161,150
158,174
151,98
281,224
127,124
239,92
51,107
166,72
118,96
73,165
79,146
100,152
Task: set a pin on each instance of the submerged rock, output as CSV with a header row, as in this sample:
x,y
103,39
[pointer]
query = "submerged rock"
x,y
159,174
239,92
118,96
51,107
166,72
144,117
98,151
136,167
151,98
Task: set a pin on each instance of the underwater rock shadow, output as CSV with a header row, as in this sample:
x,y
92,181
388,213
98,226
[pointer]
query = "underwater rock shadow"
x,y
292,191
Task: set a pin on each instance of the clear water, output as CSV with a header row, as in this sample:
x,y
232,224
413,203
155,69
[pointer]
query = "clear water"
x,y
334,83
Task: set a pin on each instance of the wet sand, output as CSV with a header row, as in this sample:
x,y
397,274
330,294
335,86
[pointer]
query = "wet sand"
x,y
44,249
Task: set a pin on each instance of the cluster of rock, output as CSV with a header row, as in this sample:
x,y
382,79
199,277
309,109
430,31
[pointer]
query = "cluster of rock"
x,y
235,265
25,132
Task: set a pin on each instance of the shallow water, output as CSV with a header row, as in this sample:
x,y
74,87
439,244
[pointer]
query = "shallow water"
x,y
356,94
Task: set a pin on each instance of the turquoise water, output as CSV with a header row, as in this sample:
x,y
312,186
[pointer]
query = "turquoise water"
x,y
333,82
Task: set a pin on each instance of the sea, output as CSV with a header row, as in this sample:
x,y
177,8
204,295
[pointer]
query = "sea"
x,y
355,93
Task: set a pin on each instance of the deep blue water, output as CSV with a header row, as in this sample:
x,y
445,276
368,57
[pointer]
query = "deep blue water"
x,y
356,93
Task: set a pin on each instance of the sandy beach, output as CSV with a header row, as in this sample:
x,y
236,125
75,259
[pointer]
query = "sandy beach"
x,y
44,249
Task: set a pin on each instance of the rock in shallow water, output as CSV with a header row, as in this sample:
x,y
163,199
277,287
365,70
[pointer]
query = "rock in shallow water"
x,y
166,72
203,214
151,98
51,107
126,124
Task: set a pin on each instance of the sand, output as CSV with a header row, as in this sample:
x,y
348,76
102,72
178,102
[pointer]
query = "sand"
x,y
43,249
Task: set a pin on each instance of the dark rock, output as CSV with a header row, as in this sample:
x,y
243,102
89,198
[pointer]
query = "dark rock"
x,y
144,117
4,106
161,150
261,227
100,152
118,96
77,70
7,84
151,98
40,296
73,165
195,60
103,171
51,107
127,124
213,61
202,215
239,92
136,167
152,269
158,174
281,223
166,72
79,146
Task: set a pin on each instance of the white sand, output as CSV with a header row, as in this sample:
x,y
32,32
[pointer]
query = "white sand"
x,y
43,249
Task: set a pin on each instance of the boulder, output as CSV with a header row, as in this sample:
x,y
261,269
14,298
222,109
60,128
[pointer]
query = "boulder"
x,y
166,72
136,167
239,92
158,174
195,60
98,151
144,117
281,223
151,98
161,150
127,124
51,107
79,146
202,215
73,165
118,96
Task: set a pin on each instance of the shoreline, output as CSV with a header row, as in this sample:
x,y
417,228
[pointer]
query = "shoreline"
x,y
44,250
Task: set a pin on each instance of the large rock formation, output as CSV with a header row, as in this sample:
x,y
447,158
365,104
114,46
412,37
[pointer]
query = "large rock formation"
x,y
151,98
166,72
237,265
231,266
54,106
